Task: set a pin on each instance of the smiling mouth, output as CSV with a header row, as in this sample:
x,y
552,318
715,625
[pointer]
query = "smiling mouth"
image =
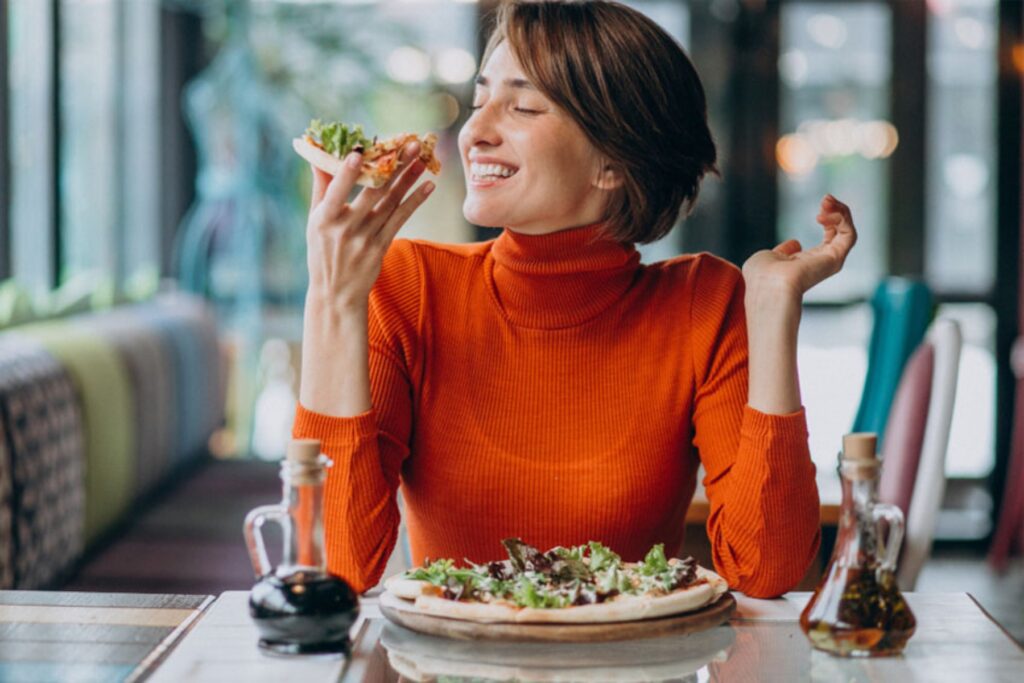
x,y
490,173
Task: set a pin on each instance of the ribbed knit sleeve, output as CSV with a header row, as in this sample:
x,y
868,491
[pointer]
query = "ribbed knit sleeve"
x,y
361,515
764,515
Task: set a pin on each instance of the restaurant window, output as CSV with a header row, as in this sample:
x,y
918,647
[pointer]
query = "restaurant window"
x,y
960,238
89,185
835,137
961,139
30,142
836,134
139,235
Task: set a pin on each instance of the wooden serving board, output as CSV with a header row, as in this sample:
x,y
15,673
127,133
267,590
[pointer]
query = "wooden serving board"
x,y
403,613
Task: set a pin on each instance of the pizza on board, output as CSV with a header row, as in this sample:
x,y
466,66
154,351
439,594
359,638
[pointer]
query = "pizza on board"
x,y
582,584
325,145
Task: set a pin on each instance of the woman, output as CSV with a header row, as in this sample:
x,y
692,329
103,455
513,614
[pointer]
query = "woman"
x,y
546,384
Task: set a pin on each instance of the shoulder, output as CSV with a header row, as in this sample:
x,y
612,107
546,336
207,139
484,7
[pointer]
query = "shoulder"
x,y
442,255
431,262
414,258
701,273
706,268
411,265
712,289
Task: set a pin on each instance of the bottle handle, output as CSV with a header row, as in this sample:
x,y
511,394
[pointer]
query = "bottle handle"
x,y
890,546
254,536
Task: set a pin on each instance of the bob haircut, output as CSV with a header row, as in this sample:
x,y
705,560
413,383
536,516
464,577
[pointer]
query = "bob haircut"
x,y
632,90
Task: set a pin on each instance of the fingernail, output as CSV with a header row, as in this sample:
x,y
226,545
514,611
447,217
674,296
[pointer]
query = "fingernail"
x,y
354,159
428,187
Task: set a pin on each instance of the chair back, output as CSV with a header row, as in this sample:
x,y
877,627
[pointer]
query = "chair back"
x,y
929,484
902,309
904,435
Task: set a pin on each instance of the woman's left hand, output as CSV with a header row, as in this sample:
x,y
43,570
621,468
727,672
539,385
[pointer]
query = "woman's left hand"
x,y
789,270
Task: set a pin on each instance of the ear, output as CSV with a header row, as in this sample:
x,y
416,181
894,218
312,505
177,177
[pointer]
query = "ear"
x,y
609,177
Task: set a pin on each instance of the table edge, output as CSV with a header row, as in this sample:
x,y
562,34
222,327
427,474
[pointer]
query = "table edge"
x,y
1020,646
152,661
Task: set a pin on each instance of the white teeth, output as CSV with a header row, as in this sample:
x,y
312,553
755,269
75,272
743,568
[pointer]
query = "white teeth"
x,y
490,170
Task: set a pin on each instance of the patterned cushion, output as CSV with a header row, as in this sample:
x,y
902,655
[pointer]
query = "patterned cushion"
x,y
188,325
6,514
105,392
150,370
44,434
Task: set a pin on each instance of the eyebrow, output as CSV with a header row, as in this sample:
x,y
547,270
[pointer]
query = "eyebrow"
x,y
521,83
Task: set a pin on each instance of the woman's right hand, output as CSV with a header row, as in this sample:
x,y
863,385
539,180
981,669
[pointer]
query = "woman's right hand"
x,y
346,241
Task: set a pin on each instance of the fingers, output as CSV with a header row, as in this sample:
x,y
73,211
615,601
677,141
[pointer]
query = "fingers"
x,y
341,185
370,197
320,182
400,215
386,206
837,220
834,212
840,234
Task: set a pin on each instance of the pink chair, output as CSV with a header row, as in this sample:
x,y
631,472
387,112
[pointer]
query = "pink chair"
x,y
908,417
917,436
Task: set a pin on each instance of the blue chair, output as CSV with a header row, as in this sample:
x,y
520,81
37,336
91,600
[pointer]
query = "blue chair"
x,y
902,309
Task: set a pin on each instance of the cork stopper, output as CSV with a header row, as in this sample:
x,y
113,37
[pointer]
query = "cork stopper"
x,y
860,446
303,463
303,451
858,461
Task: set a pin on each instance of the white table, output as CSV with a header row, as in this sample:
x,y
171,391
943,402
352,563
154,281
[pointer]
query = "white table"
x,y
955,641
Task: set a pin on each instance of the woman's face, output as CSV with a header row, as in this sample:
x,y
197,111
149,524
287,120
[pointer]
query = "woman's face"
x,y
528,165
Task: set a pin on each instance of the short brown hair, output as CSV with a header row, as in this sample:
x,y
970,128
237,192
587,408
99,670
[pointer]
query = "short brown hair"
x,y
634,92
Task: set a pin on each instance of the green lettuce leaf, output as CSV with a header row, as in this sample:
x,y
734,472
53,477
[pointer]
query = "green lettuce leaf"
x,y
435,572
602,558
655,563
337,138
528,593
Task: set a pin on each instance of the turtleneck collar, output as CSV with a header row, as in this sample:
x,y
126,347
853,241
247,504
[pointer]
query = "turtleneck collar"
x,y
560,279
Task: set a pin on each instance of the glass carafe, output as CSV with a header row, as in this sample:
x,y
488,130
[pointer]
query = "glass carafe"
x,y
298,607
858,610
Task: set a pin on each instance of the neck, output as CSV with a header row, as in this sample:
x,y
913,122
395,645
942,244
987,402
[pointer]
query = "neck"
x,y
560,279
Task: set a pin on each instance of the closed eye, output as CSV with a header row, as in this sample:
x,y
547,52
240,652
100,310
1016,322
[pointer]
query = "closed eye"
x,y
521,110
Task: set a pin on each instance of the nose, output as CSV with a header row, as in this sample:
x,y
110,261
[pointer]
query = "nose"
x,y
482,127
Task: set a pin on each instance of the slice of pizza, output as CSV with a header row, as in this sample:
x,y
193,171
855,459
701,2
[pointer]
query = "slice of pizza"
x,y
325,145
581,584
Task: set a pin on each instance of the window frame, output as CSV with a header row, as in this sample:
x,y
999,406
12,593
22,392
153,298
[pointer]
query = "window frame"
x,y
5,160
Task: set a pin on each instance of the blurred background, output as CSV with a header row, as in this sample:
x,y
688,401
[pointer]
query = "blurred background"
x,y
150,189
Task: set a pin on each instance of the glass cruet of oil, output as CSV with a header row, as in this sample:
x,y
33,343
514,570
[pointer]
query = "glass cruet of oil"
x,y
299,608
858,610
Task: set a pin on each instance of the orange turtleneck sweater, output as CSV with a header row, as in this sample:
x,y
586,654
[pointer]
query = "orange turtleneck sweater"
x,y
553,388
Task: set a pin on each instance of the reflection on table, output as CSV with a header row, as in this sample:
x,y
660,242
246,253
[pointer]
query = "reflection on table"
x,y
955,640
419,657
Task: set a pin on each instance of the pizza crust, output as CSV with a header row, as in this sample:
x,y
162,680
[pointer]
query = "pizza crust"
x,y
409,589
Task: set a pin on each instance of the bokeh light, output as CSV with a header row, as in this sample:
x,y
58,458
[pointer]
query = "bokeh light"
x,y
408,65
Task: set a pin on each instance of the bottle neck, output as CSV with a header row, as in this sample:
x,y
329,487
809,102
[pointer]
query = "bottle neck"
x,y
857,493
856,538
304,537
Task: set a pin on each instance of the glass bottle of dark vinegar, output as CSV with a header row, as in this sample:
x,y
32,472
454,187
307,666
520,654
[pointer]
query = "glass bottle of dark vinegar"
x,y
858,610
298,607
